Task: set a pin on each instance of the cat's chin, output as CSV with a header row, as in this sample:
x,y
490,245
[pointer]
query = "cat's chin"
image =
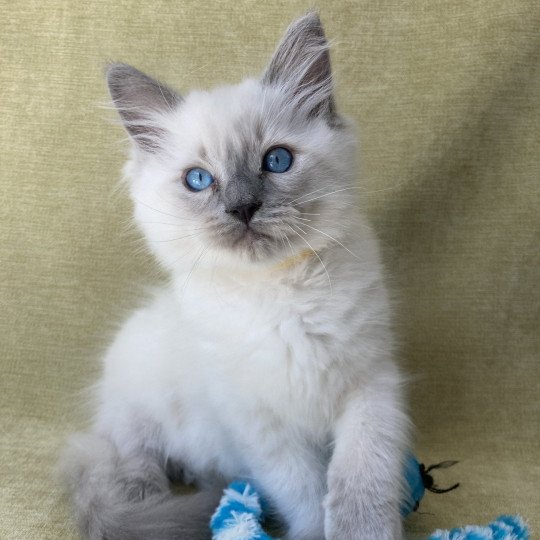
x,y
253,244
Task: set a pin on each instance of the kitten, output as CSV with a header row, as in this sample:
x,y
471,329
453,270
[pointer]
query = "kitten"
x,y
270,355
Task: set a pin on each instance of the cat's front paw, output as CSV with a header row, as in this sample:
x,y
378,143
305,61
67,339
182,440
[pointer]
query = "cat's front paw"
x,y
350,516
342,525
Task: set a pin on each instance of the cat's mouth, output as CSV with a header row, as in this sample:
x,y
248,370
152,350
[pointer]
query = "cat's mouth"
x,y
248,237
253,242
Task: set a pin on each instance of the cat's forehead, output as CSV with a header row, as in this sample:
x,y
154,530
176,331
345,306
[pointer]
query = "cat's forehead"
x,y
232,119
241,102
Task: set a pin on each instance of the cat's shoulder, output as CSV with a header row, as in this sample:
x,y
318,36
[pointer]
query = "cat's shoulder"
x,y
156,309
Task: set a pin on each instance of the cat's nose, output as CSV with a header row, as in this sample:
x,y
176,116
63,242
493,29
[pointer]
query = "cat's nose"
x,y
244,212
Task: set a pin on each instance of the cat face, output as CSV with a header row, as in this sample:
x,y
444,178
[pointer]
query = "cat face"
x,y
260,170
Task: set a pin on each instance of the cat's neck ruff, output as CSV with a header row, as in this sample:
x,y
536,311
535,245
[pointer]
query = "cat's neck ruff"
x,y
294,260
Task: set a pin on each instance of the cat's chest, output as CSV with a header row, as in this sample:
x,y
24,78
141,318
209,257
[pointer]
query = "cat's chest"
x,y
246,369
268,350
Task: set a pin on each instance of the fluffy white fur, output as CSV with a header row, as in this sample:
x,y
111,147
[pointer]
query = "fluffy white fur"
x,y
268,359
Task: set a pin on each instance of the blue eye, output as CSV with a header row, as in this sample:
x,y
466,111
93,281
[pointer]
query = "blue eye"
x,y
199,179
277,160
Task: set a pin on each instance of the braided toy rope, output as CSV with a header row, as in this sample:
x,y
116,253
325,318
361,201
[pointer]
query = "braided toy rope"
x,y
240,514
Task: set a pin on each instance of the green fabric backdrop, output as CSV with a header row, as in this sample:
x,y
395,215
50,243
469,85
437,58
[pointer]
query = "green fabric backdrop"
x,y
446,95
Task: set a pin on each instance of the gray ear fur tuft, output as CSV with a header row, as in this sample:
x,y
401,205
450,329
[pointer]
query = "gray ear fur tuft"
x,y
139,100
301,66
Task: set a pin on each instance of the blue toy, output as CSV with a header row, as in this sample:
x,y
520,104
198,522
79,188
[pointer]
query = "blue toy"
x,y
239,515
503,528
241,512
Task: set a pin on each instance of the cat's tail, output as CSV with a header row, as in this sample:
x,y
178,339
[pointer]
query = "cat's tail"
x,y
129,499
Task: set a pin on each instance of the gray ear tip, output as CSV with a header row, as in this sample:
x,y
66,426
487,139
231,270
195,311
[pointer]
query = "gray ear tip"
x,y
309,26
311,20
114,71
313,17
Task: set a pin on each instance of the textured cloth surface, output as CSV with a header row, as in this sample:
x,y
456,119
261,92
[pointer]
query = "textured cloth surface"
x,y
446,96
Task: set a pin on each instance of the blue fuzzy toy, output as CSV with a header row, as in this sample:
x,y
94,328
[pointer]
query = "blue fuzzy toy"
x,y
239,515
241,512
503,528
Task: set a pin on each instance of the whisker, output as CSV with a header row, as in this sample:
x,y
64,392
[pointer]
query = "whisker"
x,y
155,209
313,220
168,201
362,225
389,188
360,188
307,194
197,260
317,255
290,245
163,223
287,238
327,194
280,235
182,237
333,239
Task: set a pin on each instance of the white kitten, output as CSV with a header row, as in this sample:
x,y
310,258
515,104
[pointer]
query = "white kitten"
x,y
269,356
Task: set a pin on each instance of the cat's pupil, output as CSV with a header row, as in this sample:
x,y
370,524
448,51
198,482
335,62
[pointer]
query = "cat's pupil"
x,y
277,160
198,179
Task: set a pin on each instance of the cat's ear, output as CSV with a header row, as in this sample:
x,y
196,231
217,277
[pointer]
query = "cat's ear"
x,y
301,66
139,100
